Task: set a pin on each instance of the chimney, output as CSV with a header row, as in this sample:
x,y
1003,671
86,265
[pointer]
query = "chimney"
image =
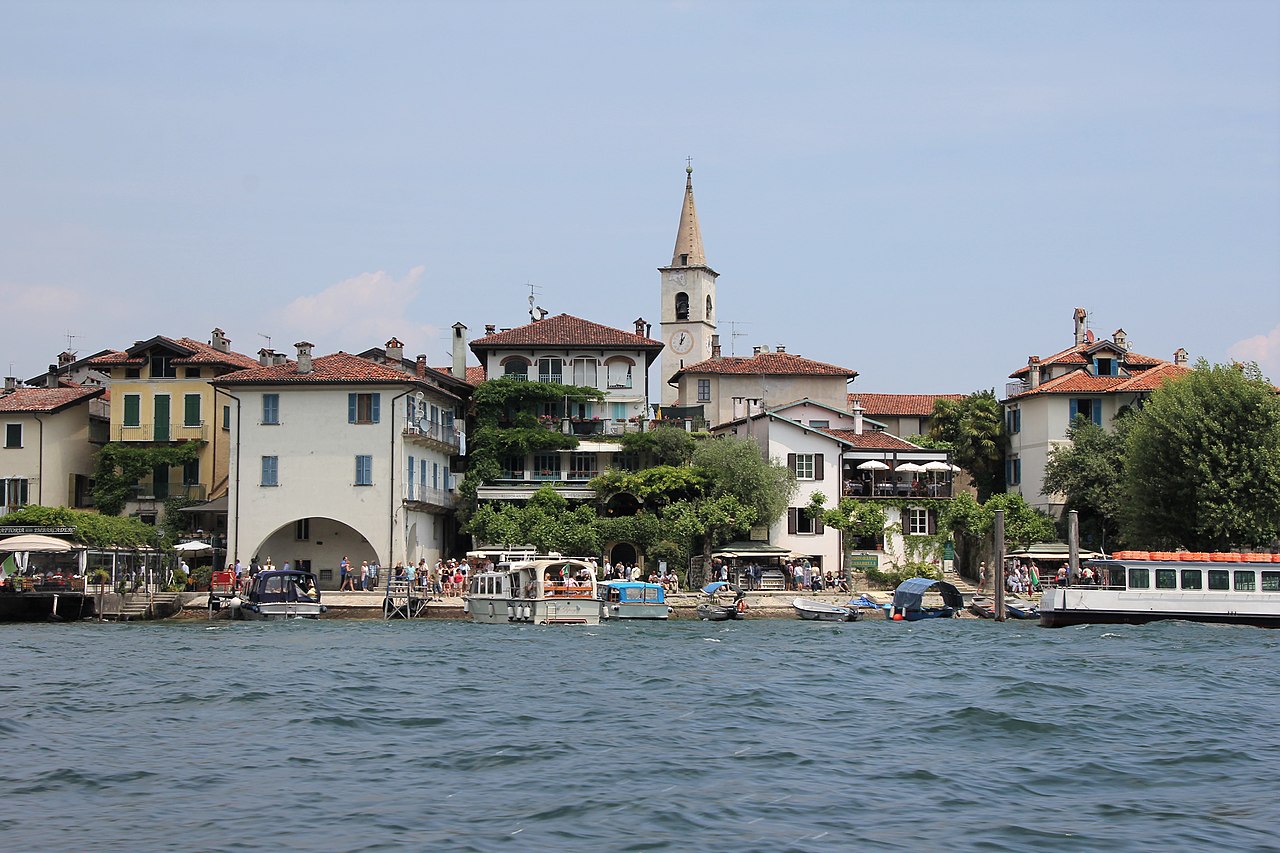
x,y
1033,371
760,349
490,328
715,346
1121,340
459,351
739,407
420,366
266,357
218,340
304,356
51,378
857,417
640,326
10,384
1180,357
65,357
1080,316
779,348
395,352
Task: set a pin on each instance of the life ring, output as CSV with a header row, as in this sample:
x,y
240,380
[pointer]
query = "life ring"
x,y
741,605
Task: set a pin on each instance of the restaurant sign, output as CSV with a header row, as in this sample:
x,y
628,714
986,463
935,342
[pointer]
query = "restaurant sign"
x,y
862,562
41,529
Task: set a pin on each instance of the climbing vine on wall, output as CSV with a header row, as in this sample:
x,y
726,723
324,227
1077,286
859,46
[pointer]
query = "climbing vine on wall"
x,y
120,467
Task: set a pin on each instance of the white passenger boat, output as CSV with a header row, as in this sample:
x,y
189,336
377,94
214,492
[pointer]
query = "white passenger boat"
x,y
542,591
1238,589
633,600
282,594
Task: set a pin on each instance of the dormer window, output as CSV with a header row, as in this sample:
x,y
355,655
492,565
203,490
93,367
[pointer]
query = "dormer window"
x,y
1104,366
162,367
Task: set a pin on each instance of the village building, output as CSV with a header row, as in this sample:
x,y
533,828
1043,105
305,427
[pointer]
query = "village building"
x,y
338,456
688,316
1092,379
901,414
48,440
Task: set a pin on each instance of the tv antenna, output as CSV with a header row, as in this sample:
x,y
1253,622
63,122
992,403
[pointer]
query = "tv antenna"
x,y
536,312
734,334
70,338
266,338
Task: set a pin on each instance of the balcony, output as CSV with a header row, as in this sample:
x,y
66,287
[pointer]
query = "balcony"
x,y
432,434
430,498
164,491
889,489
160,432
1013,389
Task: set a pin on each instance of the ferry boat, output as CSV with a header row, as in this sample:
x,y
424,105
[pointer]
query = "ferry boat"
x,y
541,591
279,594
633,600
1136,587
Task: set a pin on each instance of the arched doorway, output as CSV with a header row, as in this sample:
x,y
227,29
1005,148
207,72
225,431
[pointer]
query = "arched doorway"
x,y
624,552
318,545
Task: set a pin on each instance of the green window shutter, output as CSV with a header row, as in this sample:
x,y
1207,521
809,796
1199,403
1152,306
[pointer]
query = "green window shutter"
x,y
191,410
132,410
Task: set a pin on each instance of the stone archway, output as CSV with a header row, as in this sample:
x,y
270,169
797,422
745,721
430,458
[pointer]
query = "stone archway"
x,y
318,544
624,552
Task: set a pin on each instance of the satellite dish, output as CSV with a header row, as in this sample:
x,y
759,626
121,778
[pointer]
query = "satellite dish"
x,y
423,424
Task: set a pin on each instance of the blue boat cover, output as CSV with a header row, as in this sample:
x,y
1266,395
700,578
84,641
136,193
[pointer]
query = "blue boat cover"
x,y
910,593
712,587
863,601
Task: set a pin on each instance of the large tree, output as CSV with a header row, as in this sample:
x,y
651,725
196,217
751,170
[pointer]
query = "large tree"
x,y
974,428
1090,472
1202,462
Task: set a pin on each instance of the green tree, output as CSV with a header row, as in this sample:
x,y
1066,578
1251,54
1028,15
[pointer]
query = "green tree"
x,y
664,445
1090,472
970,525
103,531
708,523
1202,462
974,428
1024,525
736,467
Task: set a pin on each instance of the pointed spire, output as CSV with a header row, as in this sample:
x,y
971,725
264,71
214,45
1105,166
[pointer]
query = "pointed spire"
x,y
688,251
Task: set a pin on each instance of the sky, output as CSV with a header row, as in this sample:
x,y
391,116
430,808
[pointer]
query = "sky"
x,y
922,192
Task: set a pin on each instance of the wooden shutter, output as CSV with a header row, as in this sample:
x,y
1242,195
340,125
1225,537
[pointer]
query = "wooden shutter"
x,y
817,469
818,526
376,406
791,463
933,522
351,407
191,410
132,411
792,514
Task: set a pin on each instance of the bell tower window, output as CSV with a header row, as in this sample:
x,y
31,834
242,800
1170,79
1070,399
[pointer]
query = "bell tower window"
x,y
682,306
684,260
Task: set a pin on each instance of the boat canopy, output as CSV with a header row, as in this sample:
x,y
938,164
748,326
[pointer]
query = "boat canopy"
x,y
637,591
910,593
280,585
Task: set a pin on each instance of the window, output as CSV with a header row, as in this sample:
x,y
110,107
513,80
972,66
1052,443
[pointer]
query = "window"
x,y
271,408
546,466
132,410
1013,421
627,461
1139,578
584,372
516,368
1246,582
820,424
413,472
13,492
13,435
513,468
162,367
1166,578
302,529
708,317
618,372
1219,579
918,522
799,521
191,472
270,470
802,465
363,408
191,410
582,466
550,370
1271,581
1103,366
1013,471
704,390
191,372
682,306
364,471
1192,579
226,417
133,373
1089,408
618,411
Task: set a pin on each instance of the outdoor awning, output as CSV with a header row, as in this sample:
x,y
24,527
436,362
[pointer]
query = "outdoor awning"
x,y
1052,551
217,505
750,549
34,543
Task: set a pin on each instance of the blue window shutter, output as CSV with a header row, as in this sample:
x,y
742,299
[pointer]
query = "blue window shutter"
x,y
1075,410
351,408
1097,412
377,405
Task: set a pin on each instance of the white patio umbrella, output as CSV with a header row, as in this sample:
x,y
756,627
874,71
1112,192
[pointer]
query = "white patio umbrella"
x,y
910,468
935,465
873,465
193,546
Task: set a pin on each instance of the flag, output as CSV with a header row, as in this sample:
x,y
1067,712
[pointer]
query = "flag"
x,y
8,567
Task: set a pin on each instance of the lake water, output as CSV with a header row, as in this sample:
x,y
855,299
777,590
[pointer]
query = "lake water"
x,y
758,735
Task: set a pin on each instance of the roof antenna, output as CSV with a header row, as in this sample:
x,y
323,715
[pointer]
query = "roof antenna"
x,y
734,334
267,338
536,312
70,337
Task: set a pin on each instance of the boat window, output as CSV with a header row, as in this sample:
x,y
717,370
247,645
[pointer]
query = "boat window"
x,y
1166,578
1192,579
1219,579
1246,581
1115,576
1139,578
1271,581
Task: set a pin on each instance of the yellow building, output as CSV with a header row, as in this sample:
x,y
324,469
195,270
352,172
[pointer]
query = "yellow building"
x,y
161,396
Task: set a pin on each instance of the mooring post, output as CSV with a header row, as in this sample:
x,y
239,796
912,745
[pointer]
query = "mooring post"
x,y
998,534
1073,545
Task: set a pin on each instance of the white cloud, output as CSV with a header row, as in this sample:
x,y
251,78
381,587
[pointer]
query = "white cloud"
x,y
1264,349
363,311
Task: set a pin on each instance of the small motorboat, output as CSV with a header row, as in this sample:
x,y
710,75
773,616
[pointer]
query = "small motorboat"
x,y
909,596
820,611
983,606
279,594
1017,608
712,610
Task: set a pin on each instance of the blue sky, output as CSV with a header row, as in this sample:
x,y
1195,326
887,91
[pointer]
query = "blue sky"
x,y
922,192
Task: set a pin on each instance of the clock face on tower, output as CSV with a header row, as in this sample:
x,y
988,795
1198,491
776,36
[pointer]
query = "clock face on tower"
x,y
681,342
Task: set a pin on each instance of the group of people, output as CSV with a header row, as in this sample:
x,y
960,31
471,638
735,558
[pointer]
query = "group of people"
x,y
363,578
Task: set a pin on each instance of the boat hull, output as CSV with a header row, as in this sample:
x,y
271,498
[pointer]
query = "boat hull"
x,y
45,606
626,610
817,611
919,615
717,612
538,611
1062,607
272,611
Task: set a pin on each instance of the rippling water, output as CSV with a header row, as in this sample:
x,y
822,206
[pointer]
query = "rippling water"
x,y
760,735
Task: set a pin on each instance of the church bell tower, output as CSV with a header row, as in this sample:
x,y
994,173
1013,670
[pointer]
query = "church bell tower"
x,y
688,300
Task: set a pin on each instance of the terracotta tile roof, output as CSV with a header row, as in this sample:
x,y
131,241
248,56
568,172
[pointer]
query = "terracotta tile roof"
x,y
874,440
115,357
1083,382
46,399
475,373
767,364
564,330
206,354
909,405
339,368
191,353
1076,355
